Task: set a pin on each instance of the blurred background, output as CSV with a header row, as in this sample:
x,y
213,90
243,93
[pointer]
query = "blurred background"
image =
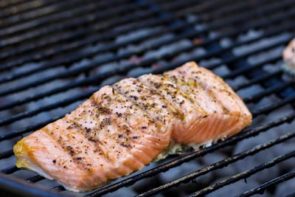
x,y
55,54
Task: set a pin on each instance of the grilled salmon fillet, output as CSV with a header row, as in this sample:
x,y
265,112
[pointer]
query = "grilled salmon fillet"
x,y
123,127
289,57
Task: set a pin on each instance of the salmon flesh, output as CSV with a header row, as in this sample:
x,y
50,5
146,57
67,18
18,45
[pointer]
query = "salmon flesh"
x,y
289,58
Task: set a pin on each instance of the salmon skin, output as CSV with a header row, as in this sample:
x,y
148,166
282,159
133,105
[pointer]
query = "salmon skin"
x,y
123,127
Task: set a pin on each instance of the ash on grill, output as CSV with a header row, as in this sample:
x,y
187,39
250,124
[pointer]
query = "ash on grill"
x,y
56,54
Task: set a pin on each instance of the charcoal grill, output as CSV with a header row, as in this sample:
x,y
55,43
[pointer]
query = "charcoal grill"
x,y
55,53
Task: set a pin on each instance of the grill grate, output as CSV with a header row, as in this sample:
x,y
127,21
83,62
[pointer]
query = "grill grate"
x,y
56,53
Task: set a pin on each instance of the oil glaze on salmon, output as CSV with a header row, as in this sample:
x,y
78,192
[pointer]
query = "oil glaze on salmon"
x,y
123,127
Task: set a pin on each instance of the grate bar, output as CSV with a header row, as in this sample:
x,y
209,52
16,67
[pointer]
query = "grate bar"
x,y
268,184
7,15
269,91
218,165
195,8
6,154
176,5
10,169
291,195
269,108
53,28
260,79
27,130
244,174
215,25
35,179
62,103
221,12
252,67
24,188
8,6
47,12
5,4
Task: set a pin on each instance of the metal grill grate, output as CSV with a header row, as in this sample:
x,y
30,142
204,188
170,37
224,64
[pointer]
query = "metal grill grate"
x,y
54,54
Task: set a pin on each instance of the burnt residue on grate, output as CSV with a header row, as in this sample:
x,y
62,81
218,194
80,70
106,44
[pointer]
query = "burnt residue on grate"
x,y
55,54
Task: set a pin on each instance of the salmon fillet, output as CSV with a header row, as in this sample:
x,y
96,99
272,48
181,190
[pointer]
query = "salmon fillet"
x,y
289,57
123,127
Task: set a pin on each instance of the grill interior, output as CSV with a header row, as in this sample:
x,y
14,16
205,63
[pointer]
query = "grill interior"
x,y
54,54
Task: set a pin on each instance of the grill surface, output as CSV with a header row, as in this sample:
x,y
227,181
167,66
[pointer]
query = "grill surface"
x,y
54,54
